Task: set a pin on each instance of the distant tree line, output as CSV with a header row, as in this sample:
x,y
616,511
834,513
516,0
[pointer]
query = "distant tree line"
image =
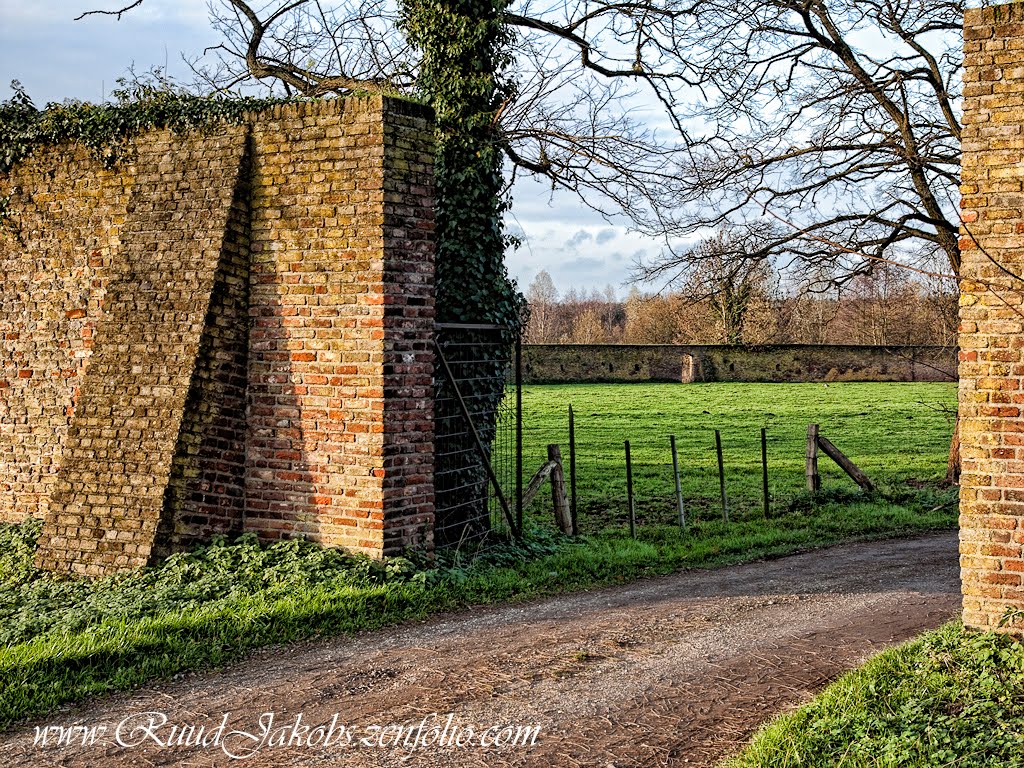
x,y
887,306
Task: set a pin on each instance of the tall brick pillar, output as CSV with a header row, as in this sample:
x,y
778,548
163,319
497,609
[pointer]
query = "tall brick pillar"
x,y
342,309
992,315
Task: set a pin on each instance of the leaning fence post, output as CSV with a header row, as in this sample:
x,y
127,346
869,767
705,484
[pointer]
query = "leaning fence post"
x,y
813,479
840,458
629,492
558,500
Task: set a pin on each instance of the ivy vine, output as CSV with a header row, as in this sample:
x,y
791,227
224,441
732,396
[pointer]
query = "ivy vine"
x,y
106,129
464,47
8,223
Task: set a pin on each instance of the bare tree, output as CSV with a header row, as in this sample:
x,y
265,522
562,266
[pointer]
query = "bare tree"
x,y
308,47
730,272
542,299
839,116
854,140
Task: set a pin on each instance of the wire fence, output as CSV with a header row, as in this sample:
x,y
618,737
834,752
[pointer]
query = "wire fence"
x,y
478,443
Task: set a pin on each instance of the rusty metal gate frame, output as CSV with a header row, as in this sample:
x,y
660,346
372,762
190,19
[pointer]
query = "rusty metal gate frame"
x,y
511,509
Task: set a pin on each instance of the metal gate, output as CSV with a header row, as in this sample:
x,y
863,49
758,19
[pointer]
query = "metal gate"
x,y
478,434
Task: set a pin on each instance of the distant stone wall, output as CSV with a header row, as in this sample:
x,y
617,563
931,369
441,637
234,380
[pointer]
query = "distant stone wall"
x,y
991,317
566,363
226,333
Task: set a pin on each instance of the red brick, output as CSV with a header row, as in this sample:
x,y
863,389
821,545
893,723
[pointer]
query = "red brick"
x,y
991,333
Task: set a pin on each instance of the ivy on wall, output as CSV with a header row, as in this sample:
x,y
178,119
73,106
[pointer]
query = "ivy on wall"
x,y
106,129
464,46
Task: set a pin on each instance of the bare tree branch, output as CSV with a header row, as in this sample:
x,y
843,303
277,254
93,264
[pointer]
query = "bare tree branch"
x,y
760,105
118,13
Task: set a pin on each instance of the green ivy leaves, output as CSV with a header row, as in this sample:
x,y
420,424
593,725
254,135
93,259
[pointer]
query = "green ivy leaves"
x,y
106,128
464,47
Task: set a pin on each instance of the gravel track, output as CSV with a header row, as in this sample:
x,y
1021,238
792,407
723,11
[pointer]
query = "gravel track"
x,y
672,671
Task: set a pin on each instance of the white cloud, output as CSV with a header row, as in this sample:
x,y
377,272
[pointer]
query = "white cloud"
x,y
581,237
551,221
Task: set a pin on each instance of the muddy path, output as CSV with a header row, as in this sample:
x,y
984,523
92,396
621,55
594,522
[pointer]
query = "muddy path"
x,y
673,671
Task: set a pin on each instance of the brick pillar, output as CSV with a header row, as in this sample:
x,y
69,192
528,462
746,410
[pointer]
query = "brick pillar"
x,y
408,449
992,315
341,308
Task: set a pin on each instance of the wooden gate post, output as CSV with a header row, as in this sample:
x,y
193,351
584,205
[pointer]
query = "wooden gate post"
x,y
563,516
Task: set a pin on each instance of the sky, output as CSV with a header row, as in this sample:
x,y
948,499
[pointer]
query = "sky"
x,y
57,58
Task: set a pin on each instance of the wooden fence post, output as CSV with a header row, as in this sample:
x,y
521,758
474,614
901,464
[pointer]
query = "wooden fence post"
x,y
572,472
813,479
847,466
679,487
721,475
562,516
764,471
629,492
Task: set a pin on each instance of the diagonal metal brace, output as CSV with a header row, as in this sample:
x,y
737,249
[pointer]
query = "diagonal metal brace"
x,y
506,510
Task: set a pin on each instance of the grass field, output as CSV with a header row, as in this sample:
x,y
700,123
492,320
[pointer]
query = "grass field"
x,y
894,431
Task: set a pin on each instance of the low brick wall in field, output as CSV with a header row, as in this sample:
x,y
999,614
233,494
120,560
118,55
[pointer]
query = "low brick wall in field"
x,y
567,363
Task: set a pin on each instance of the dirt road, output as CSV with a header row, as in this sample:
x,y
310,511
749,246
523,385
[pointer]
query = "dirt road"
x,y
674,671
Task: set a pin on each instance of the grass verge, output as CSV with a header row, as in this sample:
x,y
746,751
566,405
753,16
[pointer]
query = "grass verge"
x,y
951,697
64,640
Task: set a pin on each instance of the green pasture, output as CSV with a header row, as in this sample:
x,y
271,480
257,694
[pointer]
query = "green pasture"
x,y
896,432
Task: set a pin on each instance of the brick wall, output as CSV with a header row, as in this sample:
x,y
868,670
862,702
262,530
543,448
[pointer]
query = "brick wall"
x,y
260,306
558,363
116,464
992,315
205,493
408,287
70,210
